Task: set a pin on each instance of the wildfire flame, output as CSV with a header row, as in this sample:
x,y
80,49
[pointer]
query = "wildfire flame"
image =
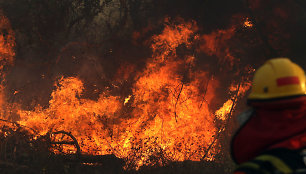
x,y
126,100
169,114
7,53
248,23
229,104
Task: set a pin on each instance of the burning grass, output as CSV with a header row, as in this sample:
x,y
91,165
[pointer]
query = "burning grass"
x,y
23,151
164,119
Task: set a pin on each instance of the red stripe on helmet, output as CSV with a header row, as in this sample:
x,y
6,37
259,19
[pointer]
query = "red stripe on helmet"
x,y
293,80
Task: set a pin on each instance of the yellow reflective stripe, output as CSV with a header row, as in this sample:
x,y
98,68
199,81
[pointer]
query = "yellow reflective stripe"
x,y
279,164
252,166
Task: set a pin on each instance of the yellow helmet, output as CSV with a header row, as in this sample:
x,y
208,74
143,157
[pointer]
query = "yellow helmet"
x,y
278,78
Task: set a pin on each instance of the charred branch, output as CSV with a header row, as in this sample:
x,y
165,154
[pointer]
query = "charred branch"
x,y
63,142
177,99
224,126
205,91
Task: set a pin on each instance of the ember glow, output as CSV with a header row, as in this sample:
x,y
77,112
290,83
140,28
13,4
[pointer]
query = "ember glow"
x,y
7,53
248,23
168,113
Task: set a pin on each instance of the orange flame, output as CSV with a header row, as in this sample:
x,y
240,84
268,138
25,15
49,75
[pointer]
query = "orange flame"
x,y
215,44
82,117
248,23
223,112
169,114
7,53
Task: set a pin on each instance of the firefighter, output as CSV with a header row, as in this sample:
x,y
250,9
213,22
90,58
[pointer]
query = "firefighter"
x,y
272,137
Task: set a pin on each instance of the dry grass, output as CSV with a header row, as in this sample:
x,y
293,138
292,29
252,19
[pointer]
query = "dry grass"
x,y
23,152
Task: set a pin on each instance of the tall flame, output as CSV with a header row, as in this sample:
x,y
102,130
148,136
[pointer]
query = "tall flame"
x,y
167,113
7,53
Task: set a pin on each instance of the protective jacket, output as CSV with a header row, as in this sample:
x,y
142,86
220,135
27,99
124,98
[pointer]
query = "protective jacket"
x,y
273,139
